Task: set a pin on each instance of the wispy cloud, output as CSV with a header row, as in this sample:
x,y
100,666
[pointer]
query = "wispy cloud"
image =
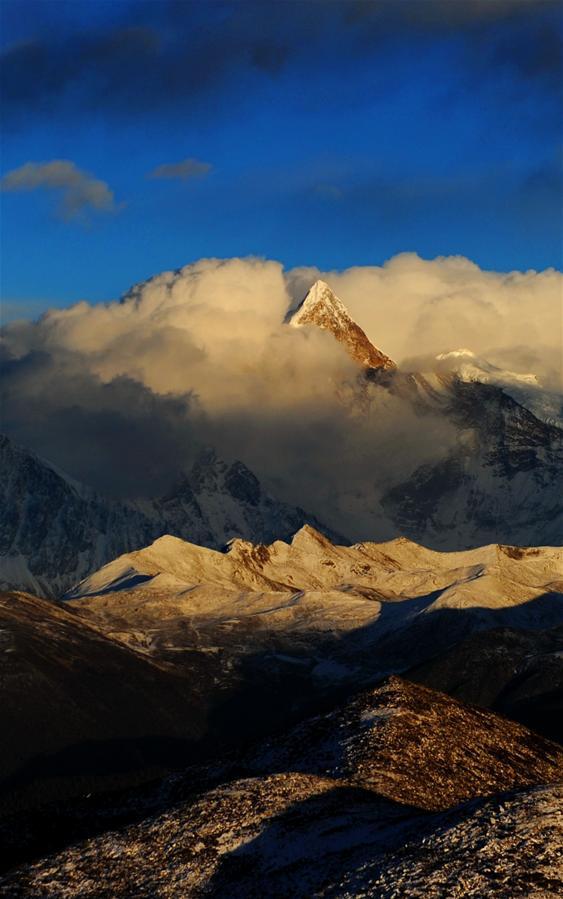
x,y
187,168
80,192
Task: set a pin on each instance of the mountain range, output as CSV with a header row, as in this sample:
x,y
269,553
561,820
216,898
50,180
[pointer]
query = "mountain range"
x,y
178,652
500,481
211,693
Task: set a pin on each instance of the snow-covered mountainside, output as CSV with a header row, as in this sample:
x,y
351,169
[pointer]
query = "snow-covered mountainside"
x,y
397,569
322,308
502,481
525,388
364,801
54,531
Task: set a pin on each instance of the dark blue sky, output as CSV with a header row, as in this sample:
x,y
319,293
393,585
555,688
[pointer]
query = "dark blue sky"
x,y
334,133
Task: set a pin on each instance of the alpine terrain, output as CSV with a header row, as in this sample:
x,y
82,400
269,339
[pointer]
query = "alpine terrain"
x,y
399,792
209,693
503,478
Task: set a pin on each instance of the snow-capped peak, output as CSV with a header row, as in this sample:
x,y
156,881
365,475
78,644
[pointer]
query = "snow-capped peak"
x,y
525,388
319,297
321,307
471,367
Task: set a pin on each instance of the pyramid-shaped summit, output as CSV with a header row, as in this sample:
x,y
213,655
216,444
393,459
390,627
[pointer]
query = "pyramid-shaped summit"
x,y
321,307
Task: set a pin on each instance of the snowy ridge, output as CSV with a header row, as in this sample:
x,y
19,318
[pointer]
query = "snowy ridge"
x,y
329,614
311,561
525,388
320,295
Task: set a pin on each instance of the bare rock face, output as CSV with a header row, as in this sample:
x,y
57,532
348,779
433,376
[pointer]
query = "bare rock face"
x,y
321,307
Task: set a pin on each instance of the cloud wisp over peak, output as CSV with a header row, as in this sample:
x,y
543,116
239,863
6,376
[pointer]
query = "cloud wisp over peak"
x,y
80,193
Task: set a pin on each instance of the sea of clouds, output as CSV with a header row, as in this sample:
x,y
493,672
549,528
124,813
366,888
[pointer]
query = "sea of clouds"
x,y
123,395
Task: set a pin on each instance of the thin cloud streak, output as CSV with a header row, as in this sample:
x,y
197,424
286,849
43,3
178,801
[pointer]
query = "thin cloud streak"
x,y
184,170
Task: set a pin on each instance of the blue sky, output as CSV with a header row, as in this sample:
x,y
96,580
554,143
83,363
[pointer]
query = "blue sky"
x,y
333,133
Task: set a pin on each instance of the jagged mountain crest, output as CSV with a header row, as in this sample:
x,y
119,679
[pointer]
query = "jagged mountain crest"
x,y
55,531
311,561
321,307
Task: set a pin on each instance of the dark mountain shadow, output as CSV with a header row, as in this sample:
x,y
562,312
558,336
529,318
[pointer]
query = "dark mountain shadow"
x,y
127,583
515,671
275,689
299,849
77,766
262,694
323,841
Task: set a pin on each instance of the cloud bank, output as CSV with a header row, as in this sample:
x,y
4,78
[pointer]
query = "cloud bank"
x,y
79,191
412,307
124,394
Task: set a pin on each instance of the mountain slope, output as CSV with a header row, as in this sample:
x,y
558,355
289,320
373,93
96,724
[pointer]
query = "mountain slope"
x,y
415,746
516,672
335,813
503,481
304,836
524,388
82,712
53,530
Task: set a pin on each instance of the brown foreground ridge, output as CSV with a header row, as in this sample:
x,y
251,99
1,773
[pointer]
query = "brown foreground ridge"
x,y
401,788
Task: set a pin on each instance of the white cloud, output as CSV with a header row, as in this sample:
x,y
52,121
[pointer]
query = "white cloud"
x,y
80,192
277,396
411,307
